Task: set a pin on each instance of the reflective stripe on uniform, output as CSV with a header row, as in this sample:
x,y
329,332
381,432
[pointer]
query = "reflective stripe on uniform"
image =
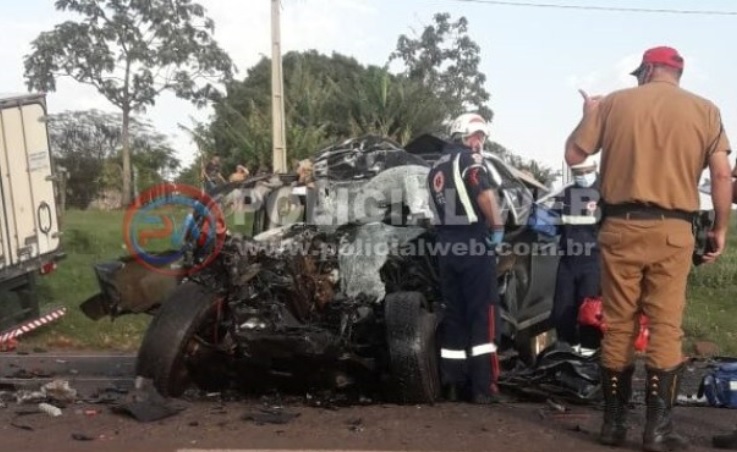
x,y
452,354
483,349
578,219
462,192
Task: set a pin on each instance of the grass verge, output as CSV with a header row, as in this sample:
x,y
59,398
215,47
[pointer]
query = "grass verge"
x,y
91,237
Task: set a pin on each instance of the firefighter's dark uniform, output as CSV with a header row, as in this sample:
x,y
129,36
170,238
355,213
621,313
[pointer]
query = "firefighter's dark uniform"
x,y
469,332
579,268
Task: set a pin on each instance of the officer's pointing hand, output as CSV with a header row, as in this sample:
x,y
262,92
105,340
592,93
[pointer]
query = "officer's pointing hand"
x,y
589,102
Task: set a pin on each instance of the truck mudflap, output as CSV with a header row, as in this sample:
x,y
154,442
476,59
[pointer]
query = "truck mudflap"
x,y
127,287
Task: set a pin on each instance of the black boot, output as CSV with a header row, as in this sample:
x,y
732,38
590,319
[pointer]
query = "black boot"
x,y
617,390
661,392
453,392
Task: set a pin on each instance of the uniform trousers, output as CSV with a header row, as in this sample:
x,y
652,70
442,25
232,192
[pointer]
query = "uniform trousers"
x,y
645,265
470,329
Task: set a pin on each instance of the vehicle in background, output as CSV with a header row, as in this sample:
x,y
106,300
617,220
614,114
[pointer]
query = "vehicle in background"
x,y
30,235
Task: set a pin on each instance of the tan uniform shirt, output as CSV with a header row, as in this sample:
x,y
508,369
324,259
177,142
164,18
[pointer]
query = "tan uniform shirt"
x,y
656,140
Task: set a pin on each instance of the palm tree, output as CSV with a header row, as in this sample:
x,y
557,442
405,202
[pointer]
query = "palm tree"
x,y
391,106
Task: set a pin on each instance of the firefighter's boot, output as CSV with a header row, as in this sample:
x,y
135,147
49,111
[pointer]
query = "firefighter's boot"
x,y
617,390
660,397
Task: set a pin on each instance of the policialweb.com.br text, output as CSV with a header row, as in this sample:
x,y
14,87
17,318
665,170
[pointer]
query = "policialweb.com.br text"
x,y
419,247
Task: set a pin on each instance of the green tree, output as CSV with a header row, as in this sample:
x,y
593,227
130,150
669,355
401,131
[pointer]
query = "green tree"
x,y
445,59
392,106
328,98
131,51
89,145
542,173
242,124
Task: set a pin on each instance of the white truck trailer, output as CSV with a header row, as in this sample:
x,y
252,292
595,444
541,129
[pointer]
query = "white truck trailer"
x,y
29,217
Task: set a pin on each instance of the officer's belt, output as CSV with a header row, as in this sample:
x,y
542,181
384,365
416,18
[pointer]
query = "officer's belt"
x,y
639,211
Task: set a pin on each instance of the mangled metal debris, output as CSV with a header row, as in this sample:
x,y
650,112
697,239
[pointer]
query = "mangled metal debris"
x,y
56,391
145,404
336,298
357,180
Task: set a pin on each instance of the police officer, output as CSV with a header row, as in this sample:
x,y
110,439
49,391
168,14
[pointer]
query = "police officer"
x,y
656,140
469,222
578,270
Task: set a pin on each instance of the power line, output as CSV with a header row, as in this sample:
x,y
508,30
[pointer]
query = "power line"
x,y
603,8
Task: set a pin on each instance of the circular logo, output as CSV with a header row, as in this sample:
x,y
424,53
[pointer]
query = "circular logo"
x,y
166,221
438,181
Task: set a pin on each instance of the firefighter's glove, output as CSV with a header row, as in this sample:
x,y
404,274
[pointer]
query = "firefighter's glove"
x,y
495,238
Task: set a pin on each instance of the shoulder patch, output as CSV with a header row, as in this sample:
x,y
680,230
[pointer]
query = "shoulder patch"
x,y
438,182
473,176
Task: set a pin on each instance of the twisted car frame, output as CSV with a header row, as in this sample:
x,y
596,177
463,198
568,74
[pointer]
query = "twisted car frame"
x,y
323,295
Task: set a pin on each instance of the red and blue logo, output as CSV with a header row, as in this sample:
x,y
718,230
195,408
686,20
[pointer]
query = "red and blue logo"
x,y
169,220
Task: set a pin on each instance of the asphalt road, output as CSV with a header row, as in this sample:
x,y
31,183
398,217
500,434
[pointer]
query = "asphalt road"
x,y
217,423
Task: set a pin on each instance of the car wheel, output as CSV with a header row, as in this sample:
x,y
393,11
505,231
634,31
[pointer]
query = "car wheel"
x,y
413,352
179,339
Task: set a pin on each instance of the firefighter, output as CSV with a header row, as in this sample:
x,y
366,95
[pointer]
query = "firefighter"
x,y
468,219
655,141
578,270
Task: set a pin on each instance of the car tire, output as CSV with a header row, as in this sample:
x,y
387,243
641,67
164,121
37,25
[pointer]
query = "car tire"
x,y
163,354
411,337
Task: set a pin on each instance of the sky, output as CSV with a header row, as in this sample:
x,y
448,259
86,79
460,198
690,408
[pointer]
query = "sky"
x,y
535,59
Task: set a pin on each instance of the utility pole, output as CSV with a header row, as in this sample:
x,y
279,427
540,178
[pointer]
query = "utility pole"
x,y
279,150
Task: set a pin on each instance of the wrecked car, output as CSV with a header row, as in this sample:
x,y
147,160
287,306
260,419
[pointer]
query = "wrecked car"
x,y
361,171
317,294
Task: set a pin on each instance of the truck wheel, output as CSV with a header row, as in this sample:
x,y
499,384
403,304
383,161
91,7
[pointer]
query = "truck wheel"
x,y
413,353
182,333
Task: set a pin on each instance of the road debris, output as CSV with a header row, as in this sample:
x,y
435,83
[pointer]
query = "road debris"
x,y
270,416
60,391
355,425
21,426
49,409
556,406
82,437
145,404
107,395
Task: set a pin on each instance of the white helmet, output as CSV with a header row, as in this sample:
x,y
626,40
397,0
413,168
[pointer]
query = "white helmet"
x,y
588,163
467,124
